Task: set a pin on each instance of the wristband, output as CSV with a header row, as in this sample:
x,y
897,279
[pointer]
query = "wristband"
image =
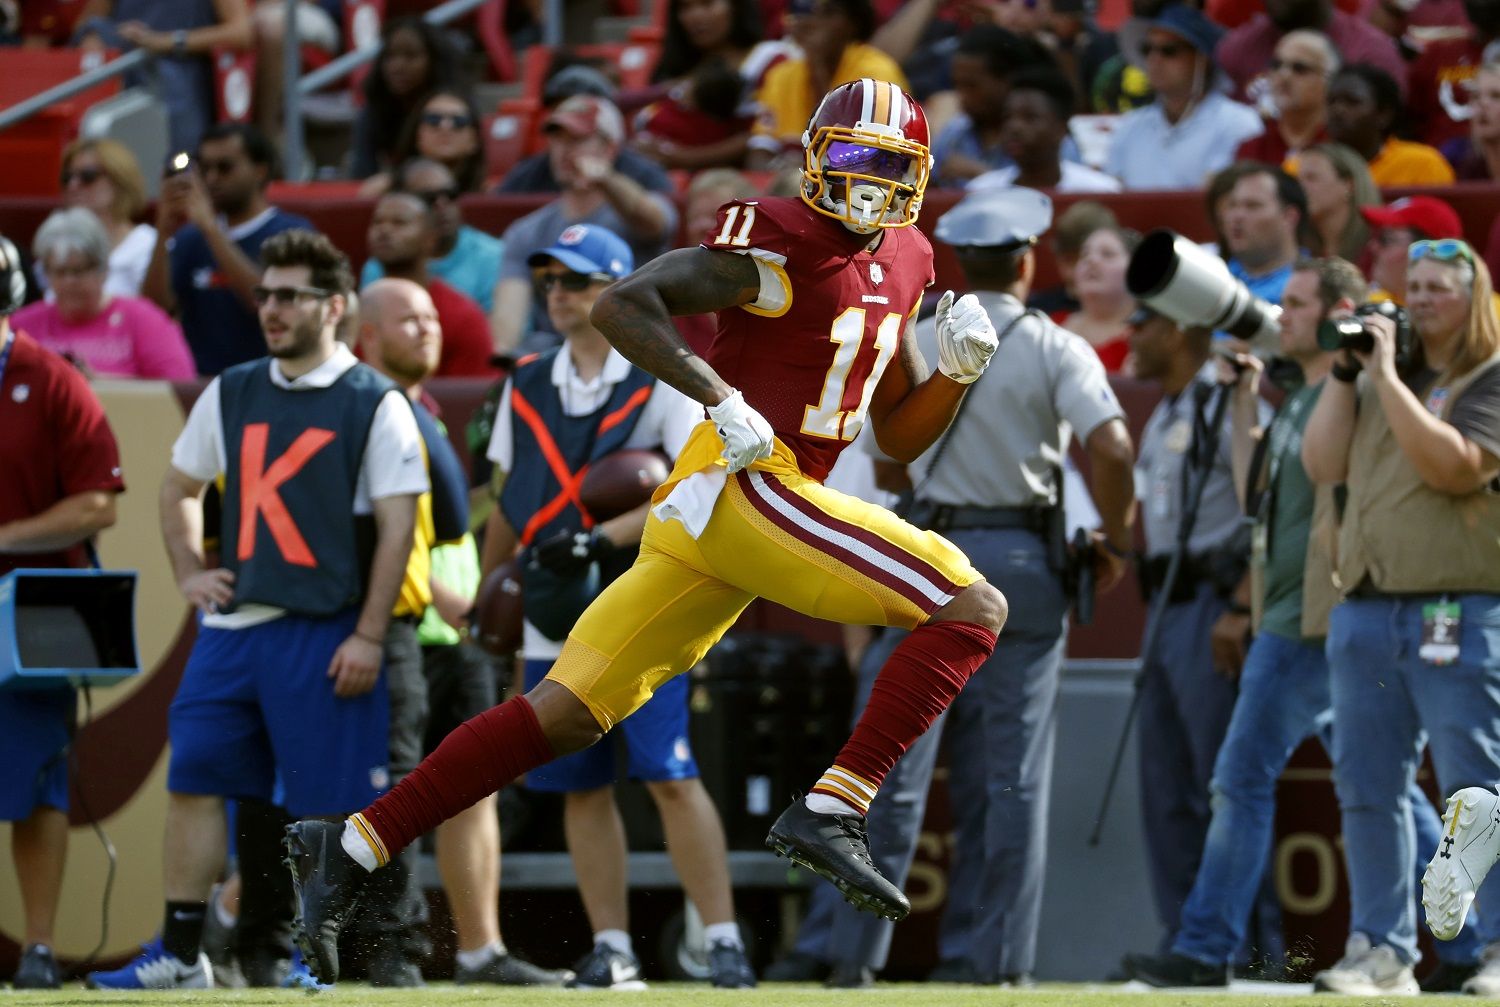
x,y
1344,374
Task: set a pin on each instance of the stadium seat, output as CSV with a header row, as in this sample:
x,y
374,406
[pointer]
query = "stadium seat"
x,y
630,63
510,134
32,150
489,21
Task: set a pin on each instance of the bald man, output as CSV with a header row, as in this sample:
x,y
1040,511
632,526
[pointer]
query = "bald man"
x,y
442,674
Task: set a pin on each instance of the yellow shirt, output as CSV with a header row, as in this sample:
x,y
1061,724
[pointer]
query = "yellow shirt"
x,y
416,586
1401,162
786,99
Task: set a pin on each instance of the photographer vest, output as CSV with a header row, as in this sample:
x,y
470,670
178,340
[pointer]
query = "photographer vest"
x,y
1406,537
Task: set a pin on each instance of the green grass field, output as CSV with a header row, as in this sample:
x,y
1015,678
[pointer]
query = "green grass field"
x,y
690,995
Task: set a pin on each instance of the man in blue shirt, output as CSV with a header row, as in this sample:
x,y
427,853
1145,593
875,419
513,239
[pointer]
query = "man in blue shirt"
x,y
466,258
1262,220
211,220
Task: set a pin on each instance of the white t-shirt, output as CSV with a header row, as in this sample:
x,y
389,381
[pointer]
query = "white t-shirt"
x,y
666,421
392,464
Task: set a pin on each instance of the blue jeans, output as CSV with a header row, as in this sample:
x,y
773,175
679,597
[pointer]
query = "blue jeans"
x,y
1283,699
1388,703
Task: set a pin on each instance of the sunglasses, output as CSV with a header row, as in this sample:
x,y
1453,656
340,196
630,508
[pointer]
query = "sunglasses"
x,y
452,120
434,196
287,295
1442,249
1169,50
1296,66
83,176
574,282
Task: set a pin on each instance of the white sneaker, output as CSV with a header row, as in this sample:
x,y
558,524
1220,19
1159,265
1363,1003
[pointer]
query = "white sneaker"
x,y
1470,844
1485,982
1367,971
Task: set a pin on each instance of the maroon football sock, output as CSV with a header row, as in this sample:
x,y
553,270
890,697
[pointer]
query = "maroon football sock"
x,y
480,756
922,676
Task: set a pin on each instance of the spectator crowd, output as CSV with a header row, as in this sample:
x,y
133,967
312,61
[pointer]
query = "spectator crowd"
x,y
1288,117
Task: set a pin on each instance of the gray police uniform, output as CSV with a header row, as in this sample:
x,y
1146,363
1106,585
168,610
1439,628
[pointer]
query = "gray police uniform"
x,y
1185,704
989,486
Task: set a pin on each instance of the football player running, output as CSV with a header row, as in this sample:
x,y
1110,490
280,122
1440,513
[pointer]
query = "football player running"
x,y
814,299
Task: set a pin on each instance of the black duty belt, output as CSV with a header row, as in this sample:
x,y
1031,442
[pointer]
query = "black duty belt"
x,y
952,517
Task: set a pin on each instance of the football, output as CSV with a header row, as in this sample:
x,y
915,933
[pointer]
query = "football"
x,y
622,481
497,610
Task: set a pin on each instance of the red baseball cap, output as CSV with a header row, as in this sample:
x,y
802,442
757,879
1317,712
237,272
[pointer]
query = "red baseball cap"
x,y
585,115
1427,214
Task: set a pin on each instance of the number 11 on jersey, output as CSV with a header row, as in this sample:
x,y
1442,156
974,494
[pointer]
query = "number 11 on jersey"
x,y
828,418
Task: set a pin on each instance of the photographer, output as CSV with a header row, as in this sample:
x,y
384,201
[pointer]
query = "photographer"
x,y
1413,650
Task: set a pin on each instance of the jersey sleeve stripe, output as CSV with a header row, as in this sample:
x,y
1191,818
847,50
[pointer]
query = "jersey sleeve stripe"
x,y
769,304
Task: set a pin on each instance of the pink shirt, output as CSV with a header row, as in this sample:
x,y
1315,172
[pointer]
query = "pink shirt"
x,y
130,338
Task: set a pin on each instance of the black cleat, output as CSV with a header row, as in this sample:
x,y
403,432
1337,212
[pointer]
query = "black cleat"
x,y
728,968
1174,970
326,886
837,847
39,971
508,970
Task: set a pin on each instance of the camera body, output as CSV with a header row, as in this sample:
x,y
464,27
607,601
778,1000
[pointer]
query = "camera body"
x,y
1350,333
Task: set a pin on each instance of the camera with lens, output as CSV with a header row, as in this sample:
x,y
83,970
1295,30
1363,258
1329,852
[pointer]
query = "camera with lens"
x,y
1351,334
1194,288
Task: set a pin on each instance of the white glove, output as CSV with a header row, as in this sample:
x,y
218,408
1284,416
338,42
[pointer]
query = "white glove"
x,y
746,434
965,337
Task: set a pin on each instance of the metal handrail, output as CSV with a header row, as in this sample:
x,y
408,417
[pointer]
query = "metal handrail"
x,y
29,107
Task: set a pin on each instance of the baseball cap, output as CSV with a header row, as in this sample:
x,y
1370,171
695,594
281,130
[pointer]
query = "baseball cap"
x,y
588,249
1427,214
576,79
586,114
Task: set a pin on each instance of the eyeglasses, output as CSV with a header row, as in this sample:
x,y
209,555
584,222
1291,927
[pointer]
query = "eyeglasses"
x,y
83,176
452,120
1169,50
1296,66
434,196
1443,249
574,282
287,295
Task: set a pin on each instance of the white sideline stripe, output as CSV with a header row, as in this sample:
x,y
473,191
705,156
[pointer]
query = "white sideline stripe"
x,y
905,574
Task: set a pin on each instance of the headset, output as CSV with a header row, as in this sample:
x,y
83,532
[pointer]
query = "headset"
x,y
12,277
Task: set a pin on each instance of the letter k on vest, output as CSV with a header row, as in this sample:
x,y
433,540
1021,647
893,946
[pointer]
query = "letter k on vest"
x,y
259,486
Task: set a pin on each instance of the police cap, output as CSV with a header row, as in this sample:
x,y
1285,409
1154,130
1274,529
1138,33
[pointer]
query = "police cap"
x,y
1011,219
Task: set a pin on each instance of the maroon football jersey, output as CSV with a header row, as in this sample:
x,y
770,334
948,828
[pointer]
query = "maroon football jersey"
x,y
810,365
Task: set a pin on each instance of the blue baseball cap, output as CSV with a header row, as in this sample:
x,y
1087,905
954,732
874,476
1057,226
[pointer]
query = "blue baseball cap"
x,y
588,249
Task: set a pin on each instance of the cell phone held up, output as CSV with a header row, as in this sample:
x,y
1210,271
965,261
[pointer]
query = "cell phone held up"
x,y
177,163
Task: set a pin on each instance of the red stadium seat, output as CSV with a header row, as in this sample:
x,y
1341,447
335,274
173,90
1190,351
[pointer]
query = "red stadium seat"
x,y
32,150
509,133
630,63
489,21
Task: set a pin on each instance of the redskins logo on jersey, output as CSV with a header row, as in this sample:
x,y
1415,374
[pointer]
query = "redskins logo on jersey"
x,y
866,161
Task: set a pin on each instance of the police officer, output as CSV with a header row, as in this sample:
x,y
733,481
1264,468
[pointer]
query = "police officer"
x,y
1188,683
992,485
